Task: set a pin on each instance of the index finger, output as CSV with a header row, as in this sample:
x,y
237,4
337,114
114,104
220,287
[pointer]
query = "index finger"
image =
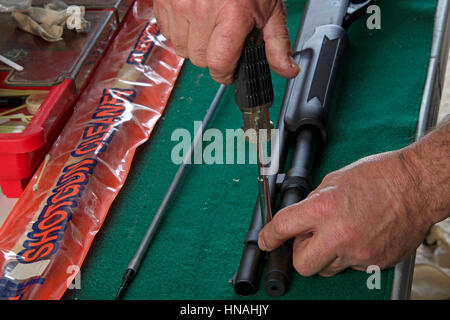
x,y
226,44
295,220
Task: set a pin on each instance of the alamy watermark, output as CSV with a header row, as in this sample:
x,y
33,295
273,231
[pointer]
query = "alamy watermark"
x,y
374,280
230,147
374,20
74,279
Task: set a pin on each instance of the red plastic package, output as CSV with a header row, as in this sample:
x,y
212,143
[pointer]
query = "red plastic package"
x,y
63,207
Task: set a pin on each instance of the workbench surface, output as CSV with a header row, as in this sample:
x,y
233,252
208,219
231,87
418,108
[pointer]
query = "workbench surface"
x,y
200,242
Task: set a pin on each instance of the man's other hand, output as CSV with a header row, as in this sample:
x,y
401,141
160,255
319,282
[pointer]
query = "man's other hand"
x,y
211,33
371,212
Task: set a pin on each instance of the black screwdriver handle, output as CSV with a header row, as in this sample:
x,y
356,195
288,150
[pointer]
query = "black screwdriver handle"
x,y
252,79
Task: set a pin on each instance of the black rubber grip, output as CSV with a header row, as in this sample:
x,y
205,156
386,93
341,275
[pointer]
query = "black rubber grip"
x,y
252,79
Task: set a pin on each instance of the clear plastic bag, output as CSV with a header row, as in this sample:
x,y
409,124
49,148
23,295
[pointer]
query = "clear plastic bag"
x,y
53,224
14,5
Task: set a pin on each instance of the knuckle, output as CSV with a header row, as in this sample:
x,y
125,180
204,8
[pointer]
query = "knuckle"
x,y
363,255
322,205
178,5
302,268
181,51
198,62
157,4
301,264
198,58
330,176
345,237
385,264
218,65
334,268
220,79
200,8
234,8
327,273
280,225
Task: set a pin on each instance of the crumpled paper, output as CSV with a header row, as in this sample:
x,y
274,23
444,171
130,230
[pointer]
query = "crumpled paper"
x,y
49,22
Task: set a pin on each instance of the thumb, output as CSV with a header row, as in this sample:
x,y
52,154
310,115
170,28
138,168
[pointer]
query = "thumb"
x,y
278,46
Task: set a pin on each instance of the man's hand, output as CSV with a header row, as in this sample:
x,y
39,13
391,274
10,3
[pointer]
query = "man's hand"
x,y
373,212
211,33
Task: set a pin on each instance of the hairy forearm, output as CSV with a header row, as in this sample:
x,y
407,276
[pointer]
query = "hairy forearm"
x,y
428,163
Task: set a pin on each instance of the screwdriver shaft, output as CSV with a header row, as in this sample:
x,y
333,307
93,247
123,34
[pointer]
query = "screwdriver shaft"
x,y
263,183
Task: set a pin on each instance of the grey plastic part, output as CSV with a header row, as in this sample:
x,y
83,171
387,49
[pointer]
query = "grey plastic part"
x,y
318,49
319,13
404,271
319,60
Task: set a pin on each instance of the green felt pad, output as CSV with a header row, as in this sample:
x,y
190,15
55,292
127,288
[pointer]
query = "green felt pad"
x,y
199,244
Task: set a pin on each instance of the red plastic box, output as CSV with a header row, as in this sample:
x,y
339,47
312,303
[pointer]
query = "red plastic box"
x,y
63,68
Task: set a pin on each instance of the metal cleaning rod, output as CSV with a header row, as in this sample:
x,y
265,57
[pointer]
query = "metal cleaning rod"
x,y
134,264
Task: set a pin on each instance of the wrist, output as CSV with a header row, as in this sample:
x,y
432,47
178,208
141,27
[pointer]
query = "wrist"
x,y
428,197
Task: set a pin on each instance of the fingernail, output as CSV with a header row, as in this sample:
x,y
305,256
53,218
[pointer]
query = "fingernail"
x,y
261,244
294,64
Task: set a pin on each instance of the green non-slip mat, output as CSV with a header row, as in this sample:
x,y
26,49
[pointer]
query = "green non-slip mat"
x,y
199,244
